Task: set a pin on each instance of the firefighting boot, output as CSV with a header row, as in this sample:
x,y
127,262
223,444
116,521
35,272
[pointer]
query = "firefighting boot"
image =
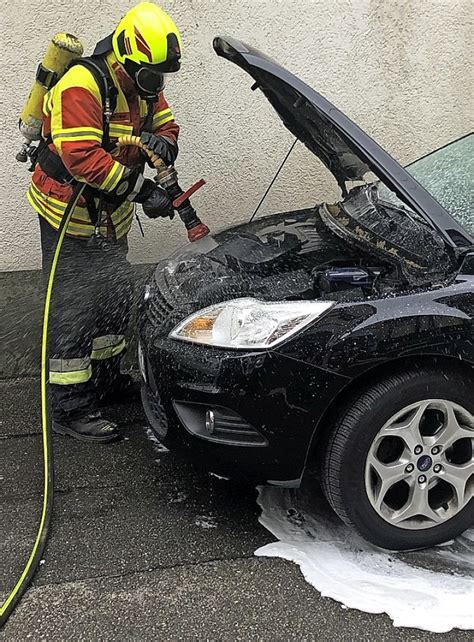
x,y
90,427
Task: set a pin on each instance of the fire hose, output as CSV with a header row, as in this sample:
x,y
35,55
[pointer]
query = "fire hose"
x,y
167,178
39,544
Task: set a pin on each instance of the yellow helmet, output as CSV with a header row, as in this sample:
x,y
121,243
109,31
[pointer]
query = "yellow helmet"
x,y
148,44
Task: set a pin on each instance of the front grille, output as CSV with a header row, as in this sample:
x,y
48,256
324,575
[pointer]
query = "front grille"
x,y
159,309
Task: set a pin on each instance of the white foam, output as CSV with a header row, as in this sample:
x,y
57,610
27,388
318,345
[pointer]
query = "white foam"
x,y
431,590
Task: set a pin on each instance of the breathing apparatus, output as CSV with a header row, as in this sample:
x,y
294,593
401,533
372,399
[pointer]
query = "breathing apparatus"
x,y
61,51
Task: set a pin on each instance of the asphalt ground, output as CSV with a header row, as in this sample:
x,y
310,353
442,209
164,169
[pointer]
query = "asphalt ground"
x,y
146,546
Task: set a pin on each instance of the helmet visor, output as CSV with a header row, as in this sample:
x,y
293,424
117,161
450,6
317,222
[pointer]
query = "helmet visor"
x,y
149,80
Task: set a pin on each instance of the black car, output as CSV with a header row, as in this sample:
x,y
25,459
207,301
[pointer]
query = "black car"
x,y
338,337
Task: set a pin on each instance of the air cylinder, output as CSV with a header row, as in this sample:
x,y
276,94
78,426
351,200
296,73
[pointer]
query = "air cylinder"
x,y
62,50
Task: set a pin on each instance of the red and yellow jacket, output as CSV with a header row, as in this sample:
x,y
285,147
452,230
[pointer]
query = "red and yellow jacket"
x,y
73,118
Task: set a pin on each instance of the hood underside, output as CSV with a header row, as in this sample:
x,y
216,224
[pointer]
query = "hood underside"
x,y
345,149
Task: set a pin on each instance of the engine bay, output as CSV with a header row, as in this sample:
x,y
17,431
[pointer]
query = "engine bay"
x,y
345,252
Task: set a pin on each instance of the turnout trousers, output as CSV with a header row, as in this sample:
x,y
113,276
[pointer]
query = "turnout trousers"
x,y
89,316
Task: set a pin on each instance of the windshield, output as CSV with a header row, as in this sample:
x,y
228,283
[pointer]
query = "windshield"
x,y
448,174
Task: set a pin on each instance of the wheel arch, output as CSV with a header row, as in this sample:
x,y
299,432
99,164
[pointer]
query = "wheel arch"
x,y
364,380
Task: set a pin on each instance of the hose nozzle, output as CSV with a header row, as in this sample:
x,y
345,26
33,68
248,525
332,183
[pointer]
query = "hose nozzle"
x,y
167,178
200,231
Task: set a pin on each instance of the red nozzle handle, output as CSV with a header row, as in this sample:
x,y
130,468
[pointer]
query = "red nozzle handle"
x,y
194,188
198,232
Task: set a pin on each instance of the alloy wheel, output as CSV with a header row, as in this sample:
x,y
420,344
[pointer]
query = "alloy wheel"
x,y
419,471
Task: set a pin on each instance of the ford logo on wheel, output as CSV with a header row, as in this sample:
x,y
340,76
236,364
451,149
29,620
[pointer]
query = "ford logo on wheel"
x,y
424,463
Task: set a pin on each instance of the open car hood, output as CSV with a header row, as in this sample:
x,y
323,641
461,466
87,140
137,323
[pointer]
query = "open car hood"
x,y
346,150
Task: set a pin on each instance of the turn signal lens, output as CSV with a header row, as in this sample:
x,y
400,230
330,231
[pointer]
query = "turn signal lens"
x,y
198,327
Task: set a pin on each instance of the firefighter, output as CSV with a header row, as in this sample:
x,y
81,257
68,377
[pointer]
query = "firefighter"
x,y
93,291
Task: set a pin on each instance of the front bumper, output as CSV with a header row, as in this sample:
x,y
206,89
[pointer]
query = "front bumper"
x,y
270,403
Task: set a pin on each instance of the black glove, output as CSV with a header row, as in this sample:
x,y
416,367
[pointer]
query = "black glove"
x,y
145,189
166,148
158,203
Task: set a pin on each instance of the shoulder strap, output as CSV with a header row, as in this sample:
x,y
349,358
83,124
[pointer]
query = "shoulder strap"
x,y
108,91
148,124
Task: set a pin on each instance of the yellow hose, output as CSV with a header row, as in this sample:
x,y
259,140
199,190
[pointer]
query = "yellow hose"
x,y
40,541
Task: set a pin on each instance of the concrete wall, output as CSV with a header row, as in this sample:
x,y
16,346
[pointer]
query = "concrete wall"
x,y
400,68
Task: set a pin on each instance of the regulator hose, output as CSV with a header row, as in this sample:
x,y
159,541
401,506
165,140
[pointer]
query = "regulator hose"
x,y
36,553
135,141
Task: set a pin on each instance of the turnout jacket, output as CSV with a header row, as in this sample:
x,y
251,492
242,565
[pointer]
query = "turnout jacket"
x,y
73,117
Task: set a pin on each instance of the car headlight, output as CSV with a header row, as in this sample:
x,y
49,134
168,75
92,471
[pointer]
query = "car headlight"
x,y
249,323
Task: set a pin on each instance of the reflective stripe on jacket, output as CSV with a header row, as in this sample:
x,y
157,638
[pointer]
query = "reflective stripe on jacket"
x,y
73,118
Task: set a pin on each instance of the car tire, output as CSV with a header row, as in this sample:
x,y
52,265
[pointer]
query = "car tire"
x,y
349,481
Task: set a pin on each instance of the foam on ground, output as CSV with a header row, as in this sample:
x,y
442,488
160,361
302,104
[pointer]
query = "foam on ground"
x,y
431,590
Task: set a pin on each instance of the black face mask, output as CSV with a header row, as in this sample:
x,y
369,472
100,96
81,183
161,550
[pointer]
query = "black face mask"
x,y
149,81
